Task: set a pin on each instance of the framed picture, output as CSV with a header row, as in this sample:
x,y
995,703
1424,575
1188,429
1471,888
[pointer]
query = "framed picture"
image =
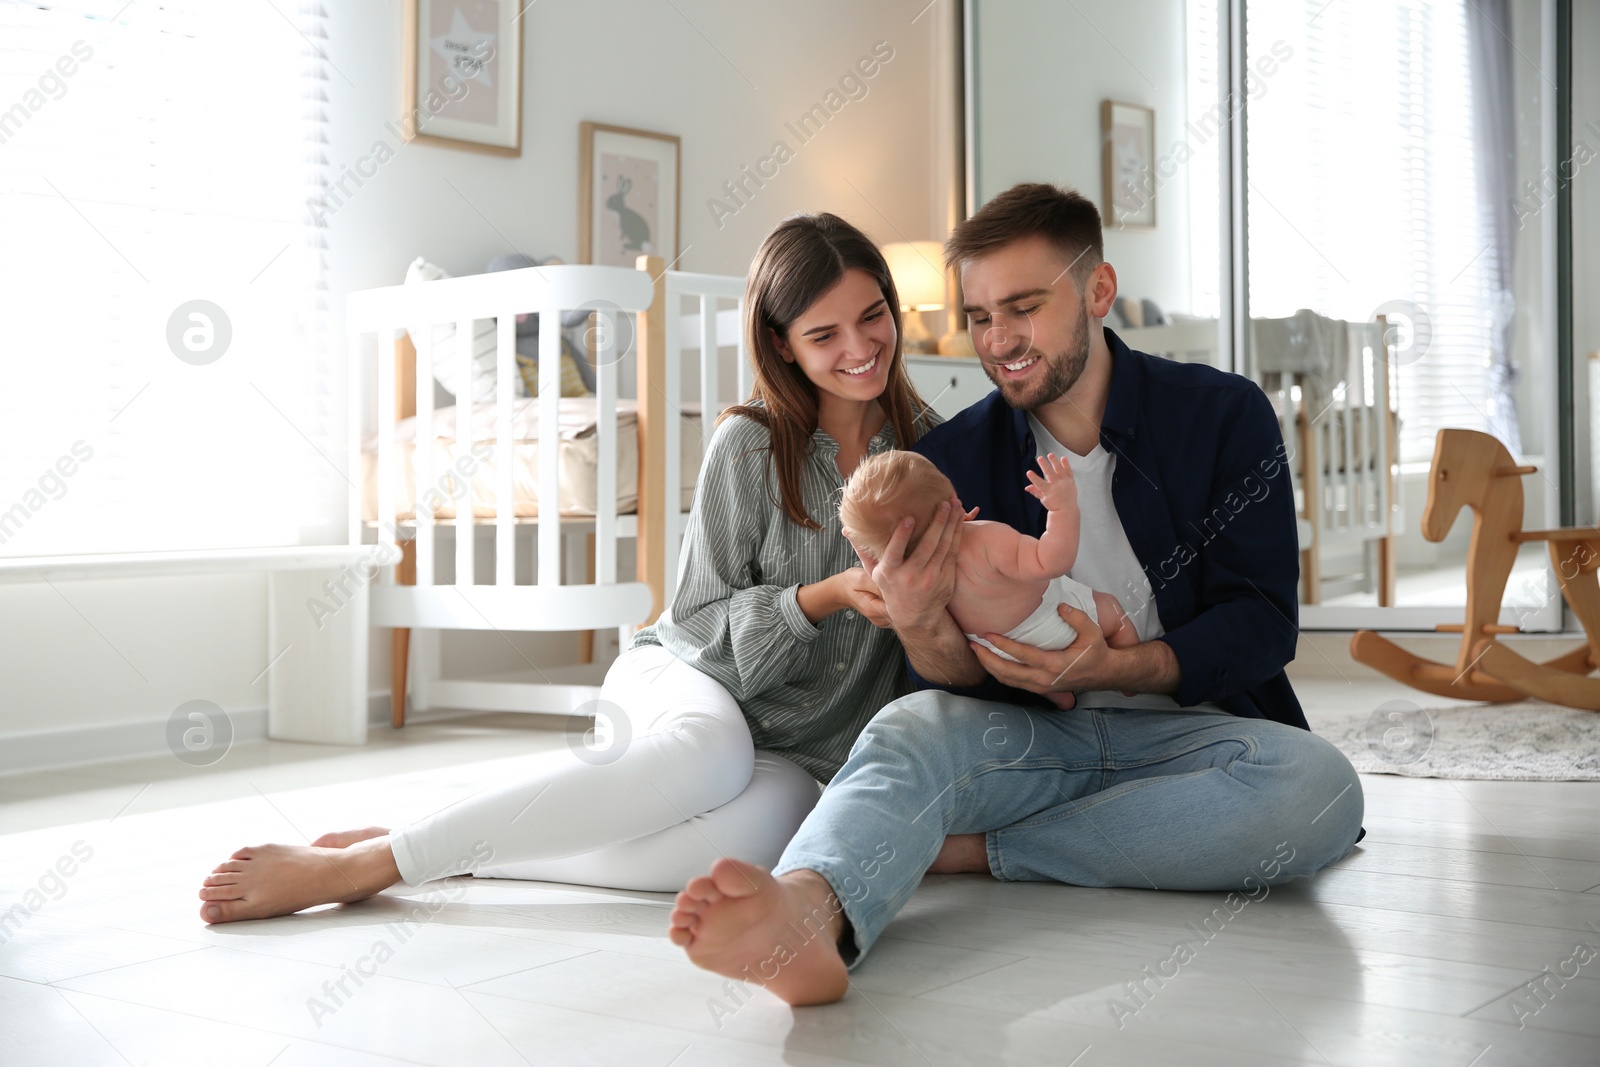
x,y
1128,157
463,74
627,195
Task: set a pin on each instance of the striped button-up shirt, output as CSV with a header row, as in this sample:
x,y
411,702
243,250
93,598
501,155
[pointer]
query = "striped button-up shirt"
x,y
807,690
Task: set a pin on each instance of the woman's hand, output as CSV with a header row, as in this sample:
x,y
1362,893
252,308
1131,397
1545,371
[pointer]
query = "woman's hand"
x,y
849,590
858,593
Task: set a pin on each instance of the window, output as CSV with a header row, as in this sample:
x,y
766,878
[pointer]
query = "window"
x,y
165,383
1364,190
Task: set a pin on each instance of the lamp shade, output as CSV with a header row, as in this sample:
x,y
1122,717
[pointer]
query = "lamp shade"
x,y
918,269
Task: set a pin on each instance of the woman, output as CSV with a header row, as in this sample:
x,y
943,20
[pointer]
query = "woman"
x,y
757,680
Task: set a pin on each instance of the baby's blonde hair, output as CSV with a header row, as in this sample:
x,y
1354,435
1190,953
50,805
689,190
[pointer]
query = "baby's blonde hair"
x,y
884,489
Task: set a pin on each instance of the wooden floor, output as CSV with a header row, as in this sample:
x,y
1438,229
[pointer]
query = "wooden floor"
x,y
1450,937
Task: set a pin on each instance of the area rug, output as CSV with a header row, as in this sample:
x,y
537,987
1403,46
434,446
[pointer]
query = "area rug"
x,y
1530,741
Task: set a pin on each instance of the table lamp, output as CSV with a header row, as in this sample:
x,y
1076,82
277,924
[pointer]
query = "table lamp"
x,y
918,270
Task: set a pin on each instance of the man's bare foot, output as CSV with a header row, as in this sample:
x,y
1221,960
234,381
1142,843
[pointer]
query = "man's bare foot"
x,y
267,880
781,933
346,838
962,854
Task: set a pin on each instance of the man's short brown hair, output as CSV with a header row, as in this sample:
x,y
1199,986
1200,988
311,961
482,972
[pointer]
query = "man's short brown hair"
x,y
1064,217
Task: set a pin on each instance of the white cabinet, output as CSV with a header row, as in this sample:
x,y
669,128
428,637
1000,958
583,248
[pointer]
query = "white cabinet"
x,y
948,383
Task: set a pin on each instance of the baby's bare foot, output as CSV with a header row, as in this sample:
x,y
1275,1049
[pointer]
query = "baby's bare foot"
x,y
346,838
267,880
780,933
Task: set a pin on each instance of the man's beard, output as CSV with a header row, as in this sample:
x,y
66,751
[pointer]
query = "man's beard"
x,y
1061,373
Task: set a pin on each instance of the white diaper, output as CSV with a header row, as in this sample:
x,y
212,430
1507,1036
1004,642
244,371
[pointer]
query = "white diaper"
x,y
1045,628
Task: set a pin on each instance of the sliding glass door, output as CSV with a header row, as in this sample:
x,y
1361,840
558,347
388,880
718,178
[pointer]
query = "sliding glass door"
x,y
1398,284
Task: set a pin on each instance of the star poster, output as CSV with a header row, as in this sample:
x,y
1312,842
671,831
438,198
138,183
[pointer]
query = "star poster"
x,y
464,72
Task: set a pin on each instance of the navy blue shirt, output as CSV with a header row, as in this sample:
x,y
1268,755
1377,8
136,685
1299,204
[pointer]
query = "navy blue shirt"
x,y
1202,489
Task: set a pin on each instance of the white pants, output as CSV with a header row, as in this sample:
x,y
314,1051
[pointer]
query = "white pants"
x,y
687,788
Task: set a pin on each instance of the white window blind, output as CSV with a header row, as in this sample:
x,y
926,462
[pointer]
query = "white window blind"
x,y
1363,190
152,156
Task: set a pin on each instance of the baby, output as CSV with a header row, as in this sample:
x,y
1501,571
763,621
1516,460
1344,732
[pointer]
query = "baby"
x,y
1006,582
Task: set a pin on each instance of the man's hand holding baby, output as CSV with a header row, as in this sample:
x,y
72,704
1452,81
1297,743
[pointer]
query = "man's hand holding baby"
x,y
916,588
1086,664
1081,666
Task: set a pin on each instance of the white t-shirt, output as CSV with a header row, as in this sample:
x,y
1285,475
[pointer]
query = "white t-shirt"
x,y
1106,562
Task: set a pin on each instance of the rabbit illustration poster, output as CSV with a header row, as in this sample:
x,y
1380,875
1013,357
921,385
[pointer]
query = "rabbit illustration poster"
x,y
1128,153
629,189
463,74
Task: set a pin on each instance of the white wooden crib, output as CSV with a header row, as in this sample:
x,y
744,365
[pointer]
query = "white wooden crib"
x,y
562,574
1339,424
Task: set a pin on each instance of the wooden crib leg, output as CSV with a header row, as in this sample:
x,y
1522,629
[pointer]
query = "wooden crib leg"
x,y
400,650
586,637
1311,581
1386,571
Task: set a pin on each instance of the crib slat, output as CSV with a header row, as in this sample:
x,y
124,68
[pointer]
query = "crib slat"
x,y
388,468
1347,423
1380,399
708,358
465,574
505,541
356,347
605,381
422,455
1326,483
1364,472
550,451
672,425
746,374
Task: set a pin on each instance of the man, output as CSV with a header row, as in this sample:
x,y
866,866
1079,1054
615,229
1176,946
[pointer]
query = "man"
x,y
1185,763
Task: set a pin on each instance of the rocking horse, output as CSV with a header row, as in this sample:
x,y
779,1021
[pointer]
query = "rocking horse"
x,y
1474,470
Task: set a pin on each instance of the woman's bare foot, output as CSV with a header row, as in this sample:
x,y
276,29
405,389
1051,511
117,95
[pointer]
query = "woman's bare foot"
x,y
962,854
346,838
781,933
267,880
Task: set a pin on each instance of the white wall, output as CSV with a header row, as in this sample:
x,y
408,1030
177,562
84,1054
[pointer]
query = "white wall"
x,y
724,76
1043,67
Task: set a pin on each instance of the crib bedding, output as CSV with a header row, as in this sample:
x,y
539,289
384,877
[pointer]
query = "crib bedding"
x,y
579,449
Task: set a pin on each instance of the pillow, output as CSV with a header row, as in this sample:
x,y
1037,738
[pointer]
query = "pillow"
x,y
1134,314
572,383
447,361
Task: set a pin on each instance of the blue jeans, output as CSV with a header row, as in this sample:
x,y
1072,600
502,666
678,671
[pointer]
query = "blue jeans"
x,y
1091,797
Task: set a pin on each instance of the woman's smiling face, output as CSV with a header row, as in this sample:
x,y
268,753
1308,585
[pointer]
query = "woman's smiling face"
x,y
845,341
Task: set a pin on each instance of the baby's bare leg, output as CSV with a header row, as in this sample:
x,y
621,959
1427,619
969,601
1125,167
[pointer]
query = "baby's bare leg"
x,y
1114,622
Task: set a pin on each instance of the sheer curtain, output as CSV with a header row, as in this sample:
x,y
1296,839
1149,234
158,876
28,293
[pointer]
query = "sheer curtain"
x,y
1494,111
165,384
1366,194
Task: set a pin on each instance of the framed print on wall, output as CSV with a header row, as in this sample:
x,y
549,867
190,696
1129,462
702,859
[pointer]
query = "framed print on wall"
x,y
1128,158
463,74
627,195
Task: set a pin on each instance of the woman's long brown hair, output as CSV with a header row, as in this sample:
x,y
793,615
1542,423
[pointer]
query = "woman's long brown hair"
x,y
804,257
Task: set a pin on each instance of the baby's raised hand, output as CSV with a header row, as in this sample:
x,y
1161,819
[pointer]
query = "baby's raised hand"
x,y
1057,489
